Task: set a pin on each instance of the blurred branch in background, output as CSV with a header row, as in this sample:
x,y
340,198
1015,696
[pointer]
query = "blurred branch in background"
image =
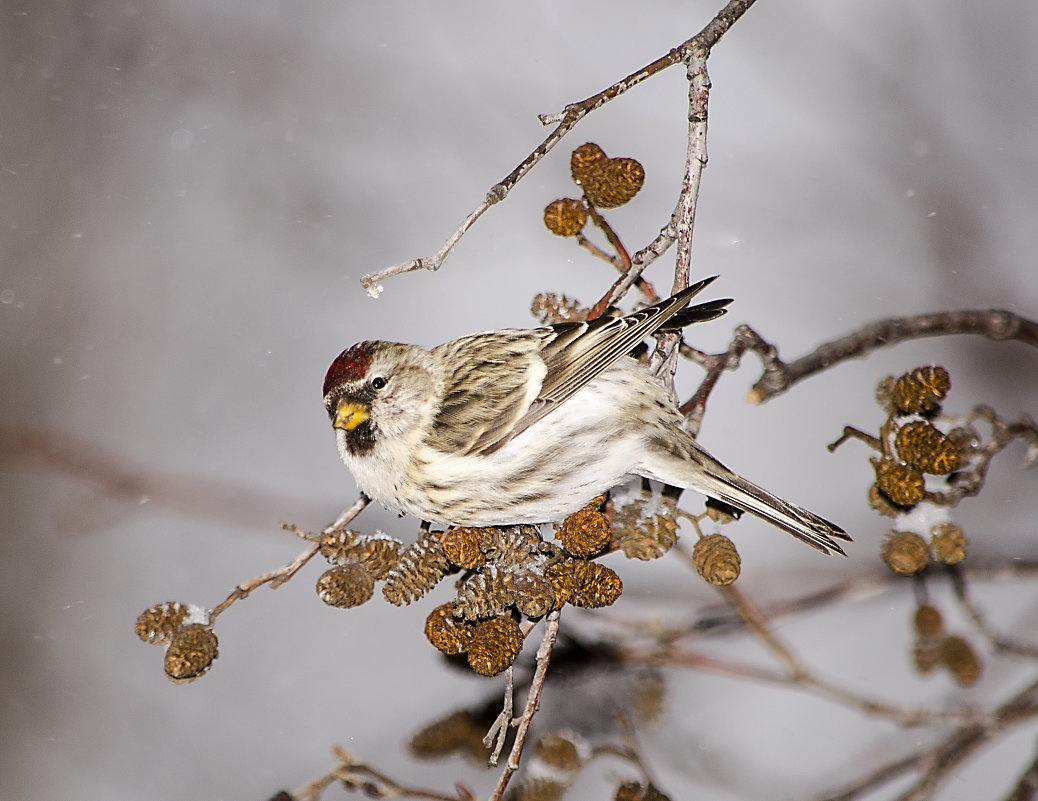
x,y
141,488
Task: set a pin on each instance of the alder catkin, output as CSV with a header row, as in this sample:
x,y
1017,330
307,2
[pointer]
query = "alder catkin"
x,y
494,645
716,559
905,552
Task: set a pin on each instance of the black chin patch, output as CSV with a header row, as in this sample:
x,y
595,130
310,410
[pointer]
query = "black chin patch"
x,y
360,440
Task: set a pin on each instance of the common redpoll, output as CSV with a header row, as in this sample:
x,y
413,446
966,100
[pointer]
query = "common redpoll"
x,y
528,425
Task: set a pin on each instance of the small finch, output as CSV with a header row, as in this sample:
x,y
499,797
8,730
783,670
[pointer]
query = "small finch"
x,y
528,425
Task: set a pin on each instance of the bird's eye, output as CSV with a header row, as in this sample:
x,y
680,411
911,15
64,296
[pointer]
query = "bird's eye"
x,y
378,382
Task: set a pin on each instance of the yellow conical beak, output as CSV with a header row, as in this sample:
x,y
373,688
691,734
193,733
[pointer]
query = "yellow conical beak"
x,y
349,415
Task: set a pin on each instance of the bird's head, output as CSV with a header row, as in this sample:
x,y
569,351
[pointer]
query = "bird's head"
x,y
379,389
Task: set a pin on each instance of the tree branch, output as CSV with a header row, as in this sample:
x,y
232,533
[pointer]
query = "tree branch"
x,y
995,324
695,49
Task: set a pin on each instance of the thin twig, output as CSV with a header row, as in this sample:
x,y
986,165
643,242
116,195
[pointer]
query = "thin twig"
x,y
756,623
683,218
906,717
795,672
499,730
938,764
275,578
354,775
565,121
998,641
743,339
533,699
695,161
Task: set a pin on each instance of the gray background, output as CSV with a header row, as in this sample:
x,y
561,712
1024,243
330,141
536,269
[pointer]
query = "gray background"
x,y
189,193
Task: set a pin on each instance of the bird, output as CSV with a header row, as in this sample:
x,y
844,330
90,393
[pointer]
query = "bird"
x,y
525,426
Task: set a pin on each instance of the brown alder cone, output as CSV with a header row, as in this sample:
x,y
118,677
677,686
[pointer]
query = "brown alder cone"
x,y
494,645
558,751
923,447
948,543
716,559
534,595
346,586
565,216
613,182
587,531
902,484
641,535
158,624
419,569
459,733
927,622
921,391
377,552
958,658
461,546
881,503
485,594
633,791
582,159
905,552
585,584
447,633
191,652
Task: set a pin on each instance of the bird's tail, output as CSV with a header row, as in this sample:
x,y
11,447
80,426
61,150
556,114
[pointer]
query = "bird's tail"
x,y
702,472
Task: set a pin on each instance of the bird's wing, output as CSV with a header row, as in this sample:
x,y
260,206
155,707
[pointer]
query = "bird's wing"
x,y
481,404
499,405
578,353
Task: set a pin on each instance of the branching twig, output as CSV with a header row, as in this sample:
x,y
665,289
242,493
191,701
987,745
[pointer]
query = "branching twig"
x,y
354,775
697,48
936,765
744,338
499,730
533,699
871,707
275,578
995,324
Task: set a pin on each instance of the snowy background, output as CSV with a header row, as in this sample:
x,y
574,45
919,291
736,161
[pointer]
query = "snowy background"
x,y
189,193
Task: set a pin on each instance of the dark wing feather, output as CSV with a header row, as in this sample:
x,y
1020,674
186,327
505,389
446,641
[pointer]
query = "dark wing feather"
x,y
576,353
484,409
700,313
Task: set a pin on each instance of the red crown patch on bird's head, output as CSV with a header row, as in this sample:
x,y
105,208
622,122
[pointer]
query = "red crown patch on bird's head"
x,y
350,365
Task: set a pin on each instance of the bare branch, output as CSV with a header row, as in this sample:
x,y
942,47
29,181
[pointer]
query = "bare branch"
x,y
698,47
275,578
995,324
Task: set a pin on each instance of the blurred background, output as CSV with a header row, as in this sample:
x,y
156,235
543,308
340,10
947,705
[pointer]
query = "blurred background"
x,y
189,194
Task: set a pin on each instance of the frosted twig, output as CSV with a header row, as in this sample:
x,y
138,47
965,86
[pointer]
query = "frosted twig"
x,y
275,578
